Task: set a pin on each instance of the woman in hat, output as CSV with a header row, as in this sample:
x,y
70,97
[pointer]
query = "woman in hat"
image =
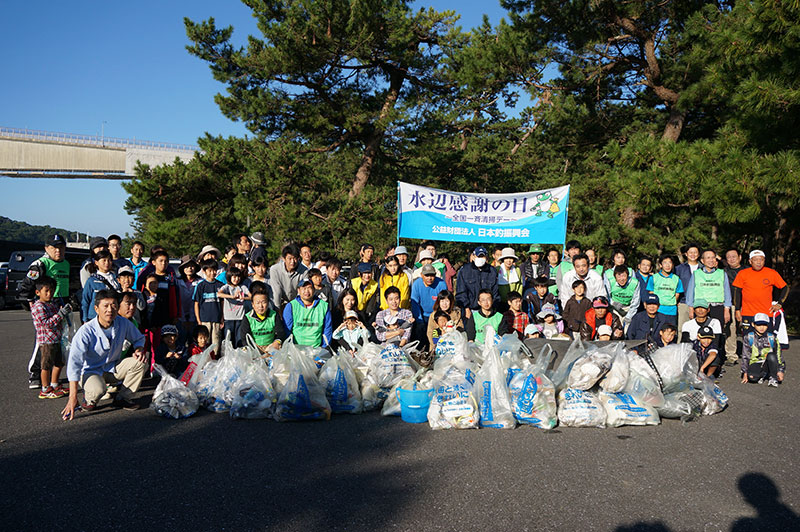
x,y
509,275
187,280
208,252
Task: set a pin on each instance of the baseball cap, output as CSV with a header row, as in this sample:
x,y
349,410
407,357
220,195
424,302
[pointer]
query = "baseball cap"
x,y
125,270
760,319
604,329
364,267
390,320
700,303
651,299
257,238
351,314
531,329
304,282
97,242
480,250
400,250
424,254
169,329
705,332
600,302
535,248
757,253
428,270
55,240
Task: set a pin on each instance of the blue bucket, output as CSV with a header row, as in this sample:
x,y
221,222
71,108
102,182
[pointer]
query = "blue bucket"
x,y
414,404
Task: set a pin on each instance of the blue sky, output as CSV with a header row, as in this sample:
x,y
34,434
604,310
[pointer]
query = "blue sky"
x,y
71,66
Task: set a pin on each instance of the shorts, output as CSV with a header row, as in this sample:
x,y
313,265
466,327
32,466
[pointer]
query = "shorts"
x,y
50,355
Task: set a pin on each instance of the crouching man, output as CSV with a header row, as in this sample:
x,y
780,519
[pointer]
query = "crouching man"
x,y
94,358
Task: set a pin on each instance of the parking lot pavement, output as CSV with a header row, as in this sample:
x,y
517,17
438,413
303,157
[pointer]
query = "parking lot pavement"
x,y
119,470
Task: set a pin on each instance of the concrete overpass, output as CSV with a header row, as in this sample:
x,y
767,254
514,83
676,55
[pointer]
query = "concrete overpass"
x,y
33,153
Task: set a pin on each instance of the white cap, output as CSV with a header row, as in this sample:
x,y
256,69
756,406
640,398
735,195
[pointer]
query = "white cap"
x,y
761,319
757,253
531,329
604,329
424,254
400,250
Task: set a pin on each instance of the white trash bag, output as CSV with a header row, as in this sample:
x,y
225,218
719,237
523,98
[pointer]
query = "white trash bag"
x,y
626,409
580,408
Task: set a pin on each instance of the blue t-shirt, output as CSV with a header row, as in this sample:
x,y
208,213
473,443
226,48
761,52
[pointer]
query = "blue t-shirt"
x,y
205,293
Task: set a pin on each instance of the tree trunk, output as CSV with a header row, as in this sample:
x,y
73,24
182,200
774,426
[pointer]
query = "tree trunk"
x,y
374,141
672,131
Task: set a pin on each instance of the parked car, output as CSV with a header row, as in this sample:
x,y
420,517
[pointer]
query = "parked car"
x,y
20,261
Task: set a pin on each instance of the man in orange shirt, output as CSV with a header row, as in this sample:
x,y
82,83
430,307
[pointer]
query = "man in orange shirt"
x,y
753,291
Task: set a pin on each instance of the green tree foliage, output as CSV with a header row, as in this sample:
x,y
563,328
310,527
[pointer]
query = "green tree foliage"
x,y
34,234
673,121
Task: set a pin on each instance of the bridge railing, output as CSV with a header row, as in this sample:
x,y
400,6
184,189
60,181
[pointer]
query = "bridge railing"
x,y
92,140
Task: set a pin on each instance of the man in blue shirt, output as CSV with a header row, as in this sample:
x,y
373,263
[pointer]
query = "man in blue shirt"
x,y
94,358
424,292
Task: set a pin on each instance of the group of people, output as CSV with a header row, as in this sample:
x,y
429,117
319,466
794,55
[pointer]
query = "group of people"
x,y
137,312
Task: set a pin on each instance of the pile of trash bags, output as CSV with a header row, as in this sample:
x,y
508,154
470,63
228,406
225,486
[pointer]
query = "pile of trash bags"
x,y
499,384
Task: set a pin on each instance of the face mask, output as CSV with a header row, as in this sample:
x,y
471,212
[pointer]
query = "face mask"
x,y
480,261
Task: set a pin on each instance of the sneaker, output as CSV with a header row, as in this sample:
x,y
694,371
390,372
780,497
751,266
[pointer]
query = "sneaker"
x,y
60,391
34,381
47,393
773,382
87,407
761,380
126,404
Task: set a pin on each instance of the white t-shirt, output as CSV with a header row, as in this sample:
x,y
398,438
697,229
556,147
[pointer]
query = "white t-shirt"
x,y
692,327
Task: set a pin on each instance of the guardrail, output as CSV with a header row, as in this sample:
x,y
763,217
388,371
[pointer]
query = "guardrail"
x,y
92,140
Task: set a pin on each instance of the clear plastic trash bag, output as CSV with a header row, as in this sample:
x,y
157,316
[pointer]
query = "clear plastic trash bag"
x,y
591,367
533,396
491,391
253,395
303,397
172,399
627,409
617,377
453,405
341,385
580,408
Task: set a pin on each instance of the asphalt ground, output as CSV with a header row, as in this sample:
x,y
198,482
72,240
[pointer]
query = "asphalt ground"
x,y
119,470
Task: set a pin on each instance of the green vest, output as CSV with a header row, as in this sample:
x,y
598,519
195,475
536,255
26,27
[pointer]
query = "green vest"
x,y
505,289
709,286
263,331
482,321
624,294
59,271
308,323
666,288
609,275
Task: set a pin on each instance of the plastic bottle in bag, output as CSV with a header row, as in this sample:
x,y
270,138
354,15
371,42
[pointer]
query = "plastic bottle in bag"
x,y
303,397
341,386
172,399
492,393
